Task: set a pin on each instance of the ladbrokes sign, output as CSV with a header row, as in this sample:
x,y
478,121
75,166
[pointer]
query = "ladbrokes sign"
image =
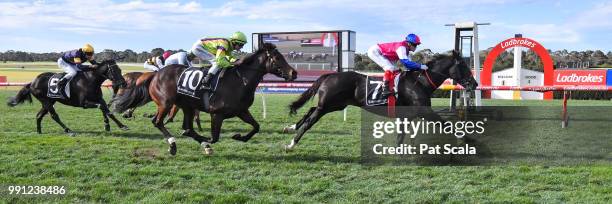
x,y
580,77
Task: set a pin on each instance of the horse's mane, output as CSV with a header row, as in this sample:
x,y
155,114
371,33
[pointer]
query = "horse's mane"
x,y
437,57
253,56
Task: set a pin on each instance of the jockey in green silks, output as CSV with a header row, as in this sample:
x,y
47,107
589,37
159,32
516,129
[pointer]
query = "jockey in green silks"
x,y
218,51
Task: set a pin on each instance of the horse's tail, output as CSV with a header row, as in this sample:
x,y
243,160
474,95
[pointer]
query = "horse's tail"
x,y
133,97
23,95
297,104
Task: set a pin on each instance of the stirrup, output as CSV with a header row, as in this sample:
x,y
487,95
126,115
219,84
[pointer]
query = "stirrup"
x,y
205,86
386,92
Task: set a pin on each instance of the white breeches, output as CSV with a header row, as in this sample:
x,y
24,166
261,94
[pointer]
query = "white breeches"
x,y
70,69
203,54
375,55
151,67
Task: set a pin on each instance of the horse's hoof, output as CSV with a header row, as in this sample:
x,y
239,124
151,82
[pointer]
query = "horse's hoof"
x,y
71,134
124,128
172,149
107,128
288,148
289,128
208,151
238,137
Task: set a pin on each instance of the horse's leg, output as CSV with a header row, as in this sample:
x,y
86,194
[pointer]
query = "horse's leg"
x,y
173,113
299,123
106,123
56,118
129,113
41,114
107,114
215,126
197,119
247,118
308,123
188,126
215,130
158,121
295,126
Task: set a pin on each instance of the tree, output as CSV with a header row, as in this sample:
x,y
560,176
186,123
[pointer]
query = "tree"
x,y
157,52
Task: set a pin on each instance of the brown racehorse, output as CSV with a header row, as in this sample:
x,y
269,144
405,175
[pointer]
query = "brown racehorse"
x,y
134,79
232,98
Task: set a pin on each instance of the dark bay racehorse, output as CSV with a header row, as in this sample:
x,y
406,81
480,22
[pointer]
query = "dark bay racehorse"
x,y
338,90
233,97
85,92
130,80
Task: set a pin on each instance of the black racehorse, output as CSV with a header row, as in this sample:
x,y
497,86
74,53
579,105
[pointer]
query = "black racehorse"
x,y
232,98
85,92
338,90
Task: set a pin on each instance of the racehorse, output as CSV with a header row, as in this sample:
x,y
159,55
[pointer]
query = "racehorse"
x,y
232,98
85,92
124,97
130,80
338,90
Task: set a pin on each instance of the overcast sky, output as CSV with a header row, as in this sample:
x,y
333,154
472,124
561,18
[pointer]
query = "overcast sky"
x,y
45,26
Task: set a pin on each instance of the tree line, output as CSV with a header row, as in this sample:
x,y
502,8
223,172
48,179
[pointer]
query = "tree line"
x,y
121,56
530,60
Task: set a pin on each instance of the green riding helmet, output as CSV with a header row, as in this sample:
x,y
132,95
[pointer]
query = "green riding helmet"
x,y
238,37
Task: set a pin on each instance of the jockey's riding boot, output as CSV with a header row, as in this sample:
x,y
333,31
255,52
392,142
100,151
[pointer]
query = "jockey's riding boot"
x,y
61,85
206,81
385,93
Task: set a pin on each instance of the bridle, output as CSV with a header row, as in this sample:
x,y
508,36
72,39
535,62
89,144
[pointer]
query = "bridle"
x,y
111,71
271,61
445,76
273,64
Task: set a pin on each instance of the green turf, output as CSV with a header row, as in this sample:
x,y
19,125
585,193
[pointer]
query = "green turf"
x,y
133,166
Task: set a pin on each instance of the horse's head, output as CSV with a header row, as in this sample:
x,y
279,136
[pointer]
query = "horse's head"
x,y
454,67
276,64
110,70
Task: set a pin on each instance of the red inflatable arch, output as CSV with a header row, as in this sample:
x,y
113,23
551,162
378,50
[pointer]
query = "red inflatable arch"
x,y
514,42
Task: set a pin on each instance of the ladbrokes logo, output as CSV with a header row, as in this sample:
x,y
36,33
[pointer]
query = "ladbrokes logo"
x,y
580,78
574,78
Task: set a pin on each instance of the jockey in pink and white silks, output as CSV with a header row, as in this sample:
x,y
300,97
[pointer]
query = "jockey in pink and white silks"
x,y
387,54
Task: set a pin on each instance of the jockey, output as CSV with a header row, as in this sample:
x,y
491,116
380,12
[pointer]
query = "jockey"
x,y
218,51
387,54
72,62
183,58
158,62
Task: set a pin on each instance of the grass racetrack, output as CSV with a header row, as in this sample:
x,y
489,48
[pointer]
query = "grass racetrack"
x,y
134,166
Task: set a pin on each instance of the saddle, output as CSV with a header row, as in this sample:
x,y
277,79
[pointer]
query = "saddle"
x,y
190,84
54,90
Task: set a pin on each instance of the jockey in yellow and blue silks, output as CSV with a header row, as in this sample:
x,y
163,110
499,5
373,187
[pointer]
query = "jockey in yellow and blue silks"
x,y
218,51
386,54
72,62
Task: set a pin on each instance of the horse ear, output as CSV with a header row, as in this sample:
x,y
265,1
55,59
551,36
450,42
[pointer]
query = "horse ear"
x,y
456,54
269,46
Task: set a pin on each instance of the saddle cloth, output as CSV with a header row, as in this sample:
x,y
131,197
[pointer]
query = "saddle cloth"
x,y
54,91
